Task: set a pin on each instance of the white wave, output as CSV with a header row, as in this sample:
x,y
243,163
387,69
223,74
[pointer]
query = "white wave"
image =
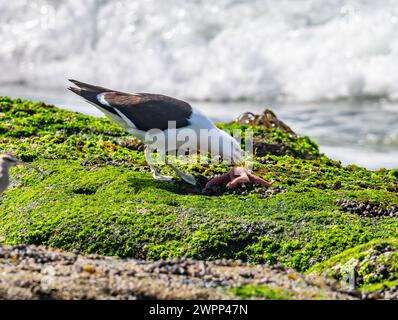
x,y
364,157
207,50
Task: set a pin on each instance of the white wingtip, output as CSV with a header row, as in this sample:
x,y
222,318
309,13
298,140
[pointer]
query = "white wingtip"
x,y
101,99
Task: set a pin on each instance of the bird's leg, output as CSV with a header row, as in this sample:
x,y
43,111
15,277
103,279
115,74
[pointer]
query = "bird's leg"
x,y
154,171
184,176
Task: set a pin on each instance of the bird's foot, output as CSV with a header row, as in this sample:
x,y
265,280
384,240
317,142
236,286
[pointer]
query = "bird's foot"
x,y
189,178
160,177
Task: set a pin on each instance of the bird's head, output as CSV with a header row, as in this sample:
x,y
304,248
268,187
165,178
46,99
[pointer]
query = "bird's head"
x,y
237,157
230,149
7,161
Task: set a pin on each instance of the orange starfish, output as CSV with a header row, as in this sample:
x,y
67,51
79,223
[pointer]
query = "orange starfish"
x,y
236,176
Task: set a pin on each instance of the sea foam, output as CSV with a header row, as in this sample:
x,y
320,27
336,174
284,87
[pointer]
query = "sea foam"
x,y
225,50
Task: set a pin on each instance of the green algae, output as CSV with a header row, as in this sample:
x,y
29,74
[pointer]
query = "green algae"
x,y
367,267
263,291
95,194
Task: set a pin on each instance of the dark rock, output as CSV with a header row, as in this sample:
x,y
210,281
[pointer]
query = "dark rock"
x,y
366,209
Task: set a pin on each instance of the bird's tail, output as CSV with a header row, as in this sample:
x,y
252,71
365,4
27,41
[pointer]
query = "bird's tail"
x,y
87,91
91,93
89,87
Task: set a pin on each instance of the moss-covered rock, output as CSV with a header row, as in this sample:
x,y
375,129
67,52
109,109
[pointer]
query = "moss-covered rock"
x,y
368,267
37,272
94,193
262,291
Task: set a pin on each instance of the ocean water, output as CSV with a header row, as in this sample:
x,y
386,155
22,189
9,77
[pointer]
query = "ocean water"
x,y
328,68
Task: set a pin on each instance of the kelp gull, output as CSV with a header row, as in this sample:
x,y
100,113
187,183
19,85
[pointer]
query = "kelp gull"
x,y
141,113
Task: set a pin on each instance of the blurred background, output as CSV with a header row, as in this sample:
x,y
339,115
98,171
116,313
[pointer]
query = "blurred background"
x,y
329,68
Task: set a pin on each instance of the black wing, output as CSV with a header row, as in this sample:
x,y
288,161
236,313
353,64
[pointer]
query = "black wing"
x,y
146,111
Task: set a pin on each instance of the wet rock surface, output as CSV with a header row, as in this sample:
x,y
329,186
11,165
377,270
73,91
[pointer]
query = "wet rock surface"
x,y
263,148
385,293
222,190
37,272
367,209
245,189
378,269
371,268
